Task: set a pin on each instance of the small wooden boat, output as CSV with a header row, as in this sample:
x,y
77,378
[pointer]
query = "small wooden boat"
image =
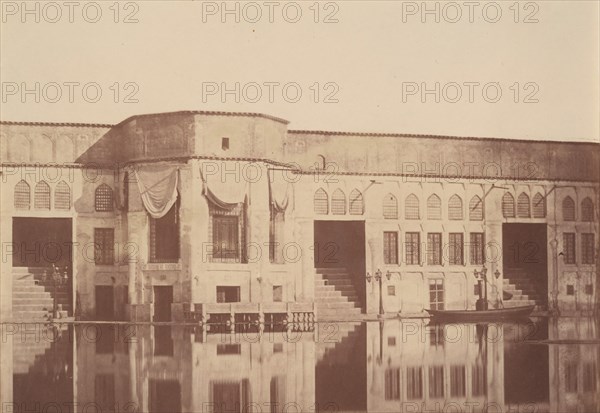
x,y
509,313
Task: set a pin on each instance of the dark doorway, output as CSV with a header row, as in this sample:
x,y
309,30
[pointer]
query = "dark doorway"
x,y
341,244
165,396
105,304
41,242
525,259
163,298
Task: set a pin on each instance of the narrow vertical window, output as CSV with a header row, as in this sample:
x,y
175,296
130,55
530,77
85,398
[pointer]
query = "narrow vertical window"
x,y
411,207
523,206
508,205
434,207
357,205
436,294
414,383
456,248
164,236
22,195
476,209
568,209
103,199
104,246
321,202
455,208
436,382
587,210
390,247
587,248
539,206
434,248
224,144
338,202
412,245
476,248
569,247
390,207
62,196
41,197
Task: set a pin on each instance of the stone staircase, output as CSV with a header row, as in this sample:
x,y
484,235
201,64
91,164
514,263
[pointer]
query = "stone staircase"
x,y
336,347
335,295
525,291
33,298
31,346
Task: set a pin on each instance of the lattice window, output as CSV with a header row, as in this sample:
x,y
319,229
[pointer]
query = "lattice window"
x,y
321,202
390,247
338,202
455,208
411,207
41,199
22,195
357,204
103,199
164,236
569,247
436,294
390,207
227,230
436,382
414,383
62,196
587,210
434,248
539,206
568,208
412,248
434,207
523,206
456,245
477,248
457,381
588,247
476,209
104,246
508,205
392,384
479,380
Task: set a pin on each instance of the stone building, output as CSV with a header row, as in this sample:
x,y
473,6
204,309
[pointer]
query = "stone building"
x,y
232,215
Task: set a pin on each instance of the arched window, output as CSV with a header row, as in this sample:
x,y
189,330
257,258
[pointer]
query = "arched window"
x,y
568,208
338,202
508,205
539,206
321,202
455,208
103,199
434,207
476,209
62,196
587,210
523,207
22,195
41,197
411,207
357,205
390,207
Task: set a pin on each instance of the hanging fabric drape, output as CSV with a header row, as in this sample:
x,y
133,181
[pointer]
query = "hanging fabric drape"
x,y
224,186
158,188
280,189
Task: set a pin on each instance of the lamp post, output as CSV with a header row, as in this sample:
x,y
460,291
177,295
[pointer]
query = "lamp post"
x,y
378,278
57,280
481,277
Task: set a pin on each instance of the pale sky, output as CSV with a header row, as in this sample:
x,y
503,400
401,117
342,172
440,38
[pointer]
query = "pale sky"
x,y
365,61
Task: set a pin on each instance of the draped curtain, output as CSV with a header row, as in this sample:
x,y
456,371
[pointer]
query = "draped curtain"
x,y
279,190
158,188
223,187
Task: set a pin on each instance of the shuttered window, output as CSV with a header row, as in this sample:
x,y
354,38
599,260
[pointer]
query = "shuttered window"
x,y
455,208
321,202
508,205
434,207
539,206
22,195
411,207
41,198
568,208
523,207
338,202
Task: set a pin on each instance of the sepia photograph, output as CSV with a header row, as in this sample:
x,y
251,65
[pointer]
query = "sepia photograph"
x,y
309,206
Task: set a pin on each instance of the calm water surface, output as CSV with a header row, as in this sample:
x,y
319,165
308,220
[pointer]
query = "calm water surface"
x,y
393,366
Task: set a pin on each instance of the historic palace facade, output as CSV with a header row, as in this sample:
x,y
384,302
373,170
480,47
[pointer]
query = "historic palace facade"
x,y
231,216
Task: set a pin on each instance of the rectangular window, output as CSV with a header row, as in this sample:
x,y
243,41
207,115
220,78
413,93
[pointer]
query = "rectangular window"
x,y
104,246
436,335
392,384
477,248
456,248
434,248
479,380
277,293
570,289
390,247
436,381
225,237
569,247
228,349
225,143
226,294
587,248
391,290
414,383
571,377
164,236
276,237
412,245
436,294
457,381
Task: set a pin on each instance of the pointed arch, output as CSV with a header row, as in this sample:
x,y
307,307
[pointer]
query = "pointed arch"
x,y
539,206
41,197
104,198
390,207
455,208
321,202
357,204
568,209
476,209
338,202
62,196
508,205
523,206
434,207
22,195
587,210
411,207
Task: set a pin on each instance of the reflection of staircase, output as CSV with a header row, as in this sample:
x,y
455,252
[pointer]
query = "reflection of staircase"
x,y
336,344
335,295
33,298
524,290
30,344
